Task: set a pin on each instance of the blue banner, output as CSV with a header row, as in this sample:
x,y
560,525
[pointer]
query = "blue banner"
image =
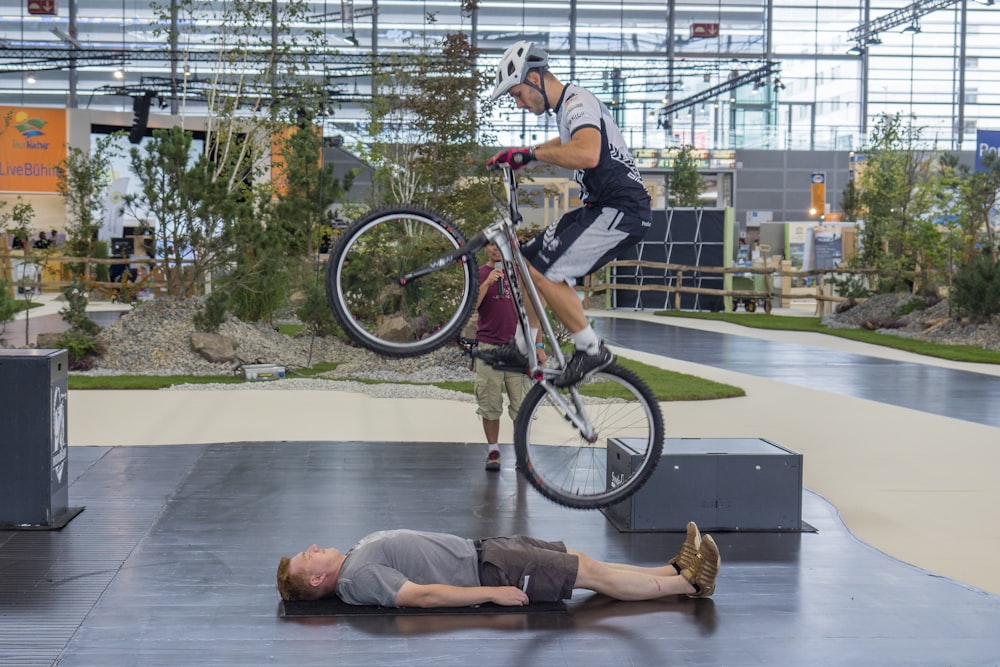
x,y
987,141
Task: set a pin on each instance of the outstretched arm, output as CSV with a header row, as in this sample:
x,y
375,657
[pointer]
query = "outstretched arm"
x,y
443,595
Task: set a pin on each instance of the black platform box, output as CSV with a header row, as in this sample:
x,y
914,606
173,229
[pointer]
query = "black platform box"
x,y
719,483
33,449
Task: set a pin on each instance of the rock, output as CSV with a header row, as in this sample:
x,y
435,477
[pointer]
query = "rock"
x,y
396,329
214,347
48,341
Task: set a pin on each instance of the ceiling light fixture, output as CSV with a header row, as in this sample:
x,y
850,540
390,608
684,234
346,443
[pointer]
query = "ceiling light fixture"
x,y
31,78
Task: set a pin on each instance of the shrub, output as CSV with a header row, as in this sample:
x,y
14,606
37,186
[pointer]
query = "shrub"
x,y
213,312
315,313
75,312
8,304
83,349
975,289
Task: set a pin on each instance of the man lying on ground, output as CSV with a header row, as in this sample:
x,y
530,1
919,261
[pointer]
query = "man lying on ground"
x,y
406,568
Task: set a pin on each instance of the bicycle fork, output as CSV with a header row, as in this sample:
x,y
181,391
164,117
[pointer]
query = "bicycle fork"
x,y
515,266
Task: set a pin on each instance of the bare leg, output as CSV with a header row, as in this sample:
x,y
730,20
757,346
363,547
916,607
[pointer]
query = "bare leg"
x,y
562,299
660,570
630,583
491,427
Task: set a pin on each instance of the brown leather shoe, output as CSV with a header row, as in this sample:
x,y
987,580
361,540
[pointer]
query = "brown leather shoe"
x,y
705,569
689,550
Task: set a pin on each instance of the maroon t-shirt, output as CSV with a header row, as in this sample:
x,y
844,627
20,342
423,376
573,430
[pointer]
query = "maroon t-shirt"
x,y
497,318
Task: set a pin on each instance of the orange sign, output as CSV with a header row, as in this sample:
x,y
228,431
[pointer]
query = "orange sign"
x,y
279,180
32,144
817,199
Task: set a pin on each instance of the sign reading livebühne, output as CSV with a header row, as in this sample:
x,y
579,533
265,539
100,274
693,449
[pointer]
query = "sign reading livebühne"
x,y
32,144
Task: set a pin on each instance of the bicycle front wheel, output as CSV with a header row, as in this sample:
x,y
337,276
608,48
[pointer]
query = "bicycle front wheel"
x,y
575,471
363,282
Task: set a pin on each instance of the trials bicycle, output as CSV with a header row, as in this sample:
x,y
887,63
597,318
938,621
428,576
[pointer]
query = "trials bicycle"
x,y
403,281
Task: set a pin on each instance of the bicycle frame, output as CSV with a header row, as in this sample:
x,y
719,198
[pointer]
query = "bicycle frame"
x,y
502,233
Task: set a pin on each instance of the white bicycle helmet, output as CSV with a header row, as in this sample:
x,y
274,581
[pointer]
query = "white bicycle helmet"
x,y
517,61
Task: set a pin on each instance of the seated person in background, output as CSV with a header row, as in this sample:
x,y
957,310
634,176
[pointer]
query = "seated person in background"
x,y
118,273
42,242
406,568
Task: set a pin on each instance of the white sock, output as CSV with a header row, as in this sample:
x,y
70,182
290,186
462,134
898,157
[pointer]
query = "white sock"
x,y
587,340
494,447
519,340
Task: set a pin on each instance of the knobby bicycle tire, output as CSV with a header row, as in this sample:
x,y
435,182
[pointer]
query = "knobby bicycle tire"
x,y
564,467
363,282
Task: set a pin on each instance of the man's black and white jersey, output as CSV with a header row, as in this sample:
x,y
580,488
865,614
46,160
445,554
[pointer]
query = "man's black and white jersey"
x,y
615,181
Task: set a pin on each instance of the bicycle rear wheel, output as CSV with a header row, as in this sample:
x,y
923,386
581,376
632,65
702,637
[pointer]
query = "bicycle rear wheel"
x,y
363,282
565,467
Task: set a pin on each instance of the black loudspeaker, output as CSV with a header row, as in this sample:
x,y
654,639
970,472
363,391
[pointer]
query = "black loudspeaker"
x,y
140,116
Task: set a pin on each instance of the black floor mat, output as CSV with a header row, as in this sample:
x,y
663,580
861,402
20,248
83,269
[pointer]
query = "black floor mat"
x,y
334,606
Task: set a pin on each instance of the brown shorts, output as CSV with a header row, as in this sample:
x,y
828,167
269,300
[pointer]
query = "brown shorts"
x,y
541,569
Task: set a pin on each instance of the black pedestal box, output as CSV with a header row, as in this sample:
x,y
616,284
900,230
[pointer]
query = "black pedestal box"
x,y
33,447
719,483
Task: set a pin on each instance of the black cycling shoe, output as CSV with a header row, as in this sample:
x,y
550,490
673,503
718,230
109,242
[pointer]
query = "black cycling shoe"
x,y
504,357
582,365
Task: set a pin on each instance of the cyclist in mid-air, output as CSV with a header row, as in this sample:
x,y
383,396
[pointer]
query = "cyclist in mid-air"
x,y
616,207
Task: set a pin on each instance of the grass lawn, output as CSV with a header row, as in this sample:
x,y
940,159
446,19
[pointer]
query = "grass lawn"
x,y
666,385
813,325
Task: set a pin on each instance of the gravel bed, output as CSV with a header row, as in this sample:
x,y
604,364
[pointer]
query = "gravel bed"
x,y
154,339
933,324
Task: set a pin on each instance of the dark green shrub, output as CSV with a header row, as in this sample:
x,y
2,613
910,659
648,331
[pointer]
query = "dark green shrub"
x,y
75,312
83,349
8,304
213,312
975,289
315,313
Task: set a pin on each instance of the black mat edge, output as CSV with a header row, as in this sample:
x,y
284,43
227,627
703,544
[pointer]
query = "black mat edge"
x,y
336,607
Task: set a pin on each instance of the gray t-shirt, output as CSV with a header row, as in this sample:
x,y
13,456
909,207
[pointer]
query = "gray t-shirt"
x,y
377,567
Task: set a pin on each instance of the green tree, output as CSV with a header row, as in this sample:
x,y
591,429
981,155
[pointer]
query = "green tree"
x,y
84,177
17,222
977,198
269,75
308,189
849,203
896,201
427,136
8,305
262,268
684,182
165,205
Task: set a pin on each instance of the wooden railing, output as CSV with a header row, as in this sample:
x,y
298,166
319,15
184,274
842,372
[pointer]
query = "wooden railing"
x,y
53,273
822,292
155,281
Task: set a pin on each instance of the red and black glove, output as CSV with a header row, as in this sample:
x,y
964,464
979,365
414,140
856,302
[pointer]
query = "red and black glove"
x,y
515,157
